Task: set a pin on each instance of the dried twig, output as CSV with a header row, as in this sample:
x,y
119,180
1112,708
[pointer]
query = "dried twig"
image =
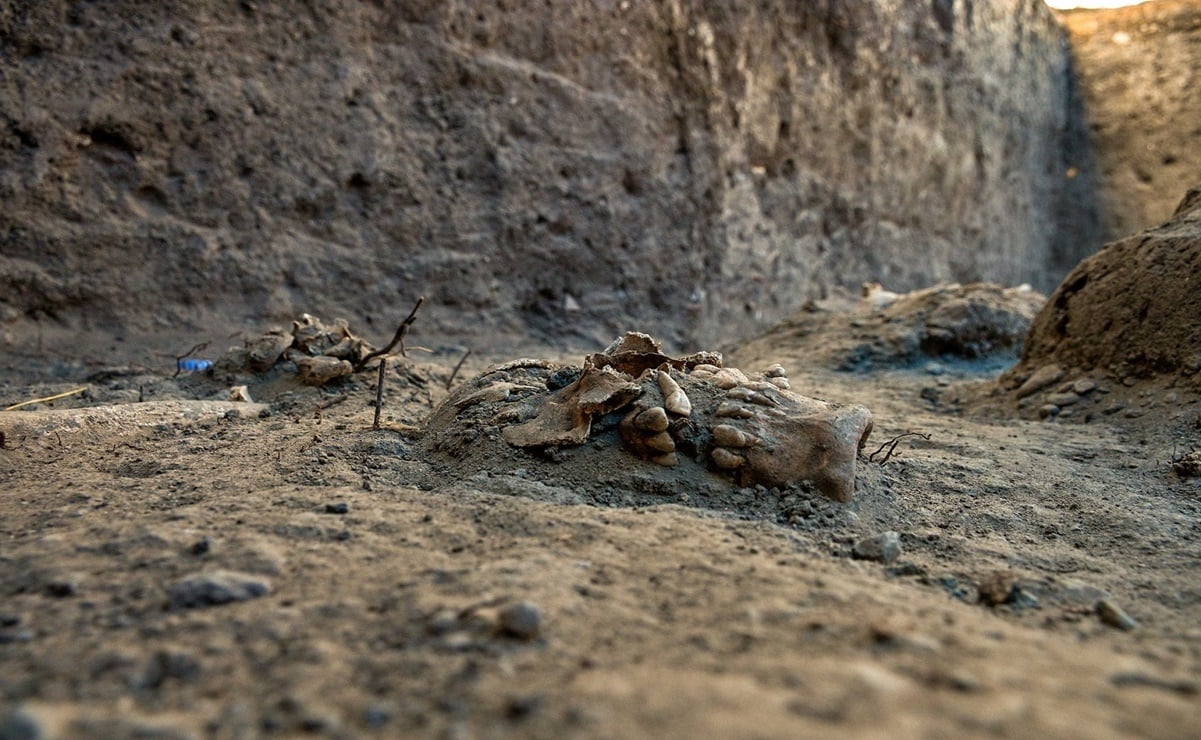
x,y
332,402
379,387
180,358
32,401
397,339
455,372
892,446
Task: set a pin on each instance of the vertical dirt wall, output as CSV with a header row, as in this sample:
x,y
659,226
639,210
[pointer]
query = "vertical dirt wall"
x,y
696,169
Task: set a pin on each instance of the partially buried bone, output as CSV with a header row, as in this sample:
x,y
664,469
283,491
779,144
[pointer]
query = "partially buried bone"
x,y
664,410
795,439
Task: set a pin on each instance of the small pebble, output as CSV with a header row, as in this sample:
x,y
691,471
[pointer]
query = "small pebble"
x,y
1048,411
1084,386
1041,378
521,620
203,546
338,507
884,547
61,588
18,724
1062,399
998,587
1114,616
215,588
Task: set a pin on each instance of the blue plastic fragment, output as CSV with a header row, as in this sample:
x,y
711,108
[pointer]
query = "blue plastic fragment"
x,y
195,365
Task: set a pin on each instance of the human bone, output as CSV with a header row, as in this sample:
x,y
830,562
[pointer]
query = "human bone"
x,y
666,411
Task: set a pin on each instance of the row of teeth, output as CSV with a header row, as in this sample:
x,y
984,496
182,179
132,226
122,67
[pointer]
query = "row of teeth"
x,y
645,430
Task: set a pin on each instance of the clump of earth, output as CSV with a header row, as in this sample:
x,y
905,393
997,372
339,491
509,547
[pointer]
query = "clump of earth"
x,y
1120,335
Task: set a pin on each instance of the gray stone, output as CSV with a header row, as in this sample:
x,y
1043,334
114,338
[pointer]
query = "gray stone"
x,y
884,547
19,724
520,620
1041,378
213,588
1062,399
1084,386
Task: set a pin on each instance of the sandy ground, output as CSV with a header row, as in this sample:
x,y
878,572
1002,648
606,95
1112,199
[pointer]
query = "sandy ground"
x,y
1045,586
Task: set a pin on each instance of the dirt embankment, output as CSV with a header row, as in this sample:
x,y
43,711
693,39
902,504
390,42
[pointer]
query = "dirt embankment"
x,y
1137,68
694,169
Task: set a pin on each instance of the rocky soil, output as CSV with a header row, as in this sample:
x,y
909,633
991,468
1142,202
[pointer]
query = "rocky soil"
x,y
186,566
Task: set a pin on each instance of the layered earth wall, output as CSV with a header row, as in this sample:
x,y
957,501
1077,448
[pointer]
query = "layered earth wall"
x,y
696,169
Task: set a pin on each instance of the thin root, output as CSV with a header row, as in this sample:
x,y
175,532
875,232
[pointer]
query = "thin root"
x,y
892,446
397,339
32,401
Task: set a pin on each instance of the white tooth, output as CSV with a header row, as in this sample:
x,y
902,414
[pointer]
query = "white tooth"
x,y
726,460
763,400
725,382
775,371
728,377
652,420
780,382
668,461
728,436
661,442
730,411
674,398
740,394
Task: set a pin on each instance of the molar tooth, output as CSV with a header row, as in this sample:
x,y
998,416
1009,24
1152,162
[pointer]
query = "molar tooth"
x,y
728,436
740,394
780,382
728,377
762,400
727,460
661,442
730,411
775,371
668,461
674,398
652,420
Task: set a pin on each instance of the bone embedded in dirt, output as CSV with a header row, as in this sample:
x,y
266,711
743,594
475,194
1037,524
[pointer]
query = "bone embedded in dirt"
x,y
689,414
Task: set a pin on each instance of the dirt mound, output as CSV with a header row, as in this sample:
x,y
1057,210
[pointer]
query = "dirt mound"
x,y
979,324
1127,315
